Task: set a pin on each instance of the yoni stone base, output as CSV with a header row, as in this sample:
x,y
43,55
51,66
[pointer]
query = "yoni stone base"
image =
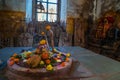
x,y
16,72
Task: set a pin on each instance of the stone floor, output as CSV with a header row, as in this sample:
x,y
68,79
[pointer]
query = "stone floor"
x,y
97,51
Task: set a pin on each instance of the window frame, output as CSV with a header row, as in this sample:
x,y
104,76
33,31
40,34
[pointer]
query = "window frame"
x,y
47,13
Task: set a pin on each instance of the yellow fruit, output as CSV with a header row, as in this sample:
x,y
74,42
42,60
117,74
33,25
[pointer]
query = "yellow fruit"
x,y
42,42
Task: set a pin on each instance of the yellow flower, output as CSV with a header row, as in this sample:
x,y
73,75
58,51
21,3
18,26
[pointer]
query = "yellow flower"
x,y
42,33
42,42
68,55
48,27
42,62
49,67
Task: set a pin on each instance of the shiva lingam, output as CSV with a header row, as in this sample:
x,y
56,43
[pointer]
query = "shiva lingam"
x,y
42,61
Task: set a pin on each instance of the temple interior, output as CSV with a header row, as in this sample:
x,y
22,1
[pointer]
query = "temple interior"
x,y
90,24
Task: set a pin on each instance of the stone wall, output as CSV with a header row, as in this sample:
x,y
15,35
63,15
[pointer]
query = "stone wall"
x,y
79,11
11,21
15,5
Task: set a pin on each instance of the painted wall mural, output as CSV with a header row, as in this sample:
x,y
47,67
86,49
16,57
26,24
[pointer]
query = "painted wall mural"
x,y
101,6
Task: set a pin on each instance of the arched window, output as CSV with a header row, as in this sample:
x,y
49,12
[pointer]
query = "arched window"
x,y
47,10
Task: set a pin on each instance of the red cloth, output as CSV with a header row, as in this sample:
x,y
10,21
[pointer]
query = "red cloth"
x,y
110,19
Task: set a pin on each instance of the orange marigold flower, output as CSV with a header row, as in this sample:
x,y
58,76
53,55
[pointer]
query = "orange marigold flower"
x,y
47,61
67,59
15,54
62,64
42,33
16,60
12,58
45,56
48,27
11,63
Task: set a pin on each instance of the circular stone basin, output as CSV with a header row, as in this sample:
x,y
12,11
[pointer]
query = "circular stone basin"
x,y
40,72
